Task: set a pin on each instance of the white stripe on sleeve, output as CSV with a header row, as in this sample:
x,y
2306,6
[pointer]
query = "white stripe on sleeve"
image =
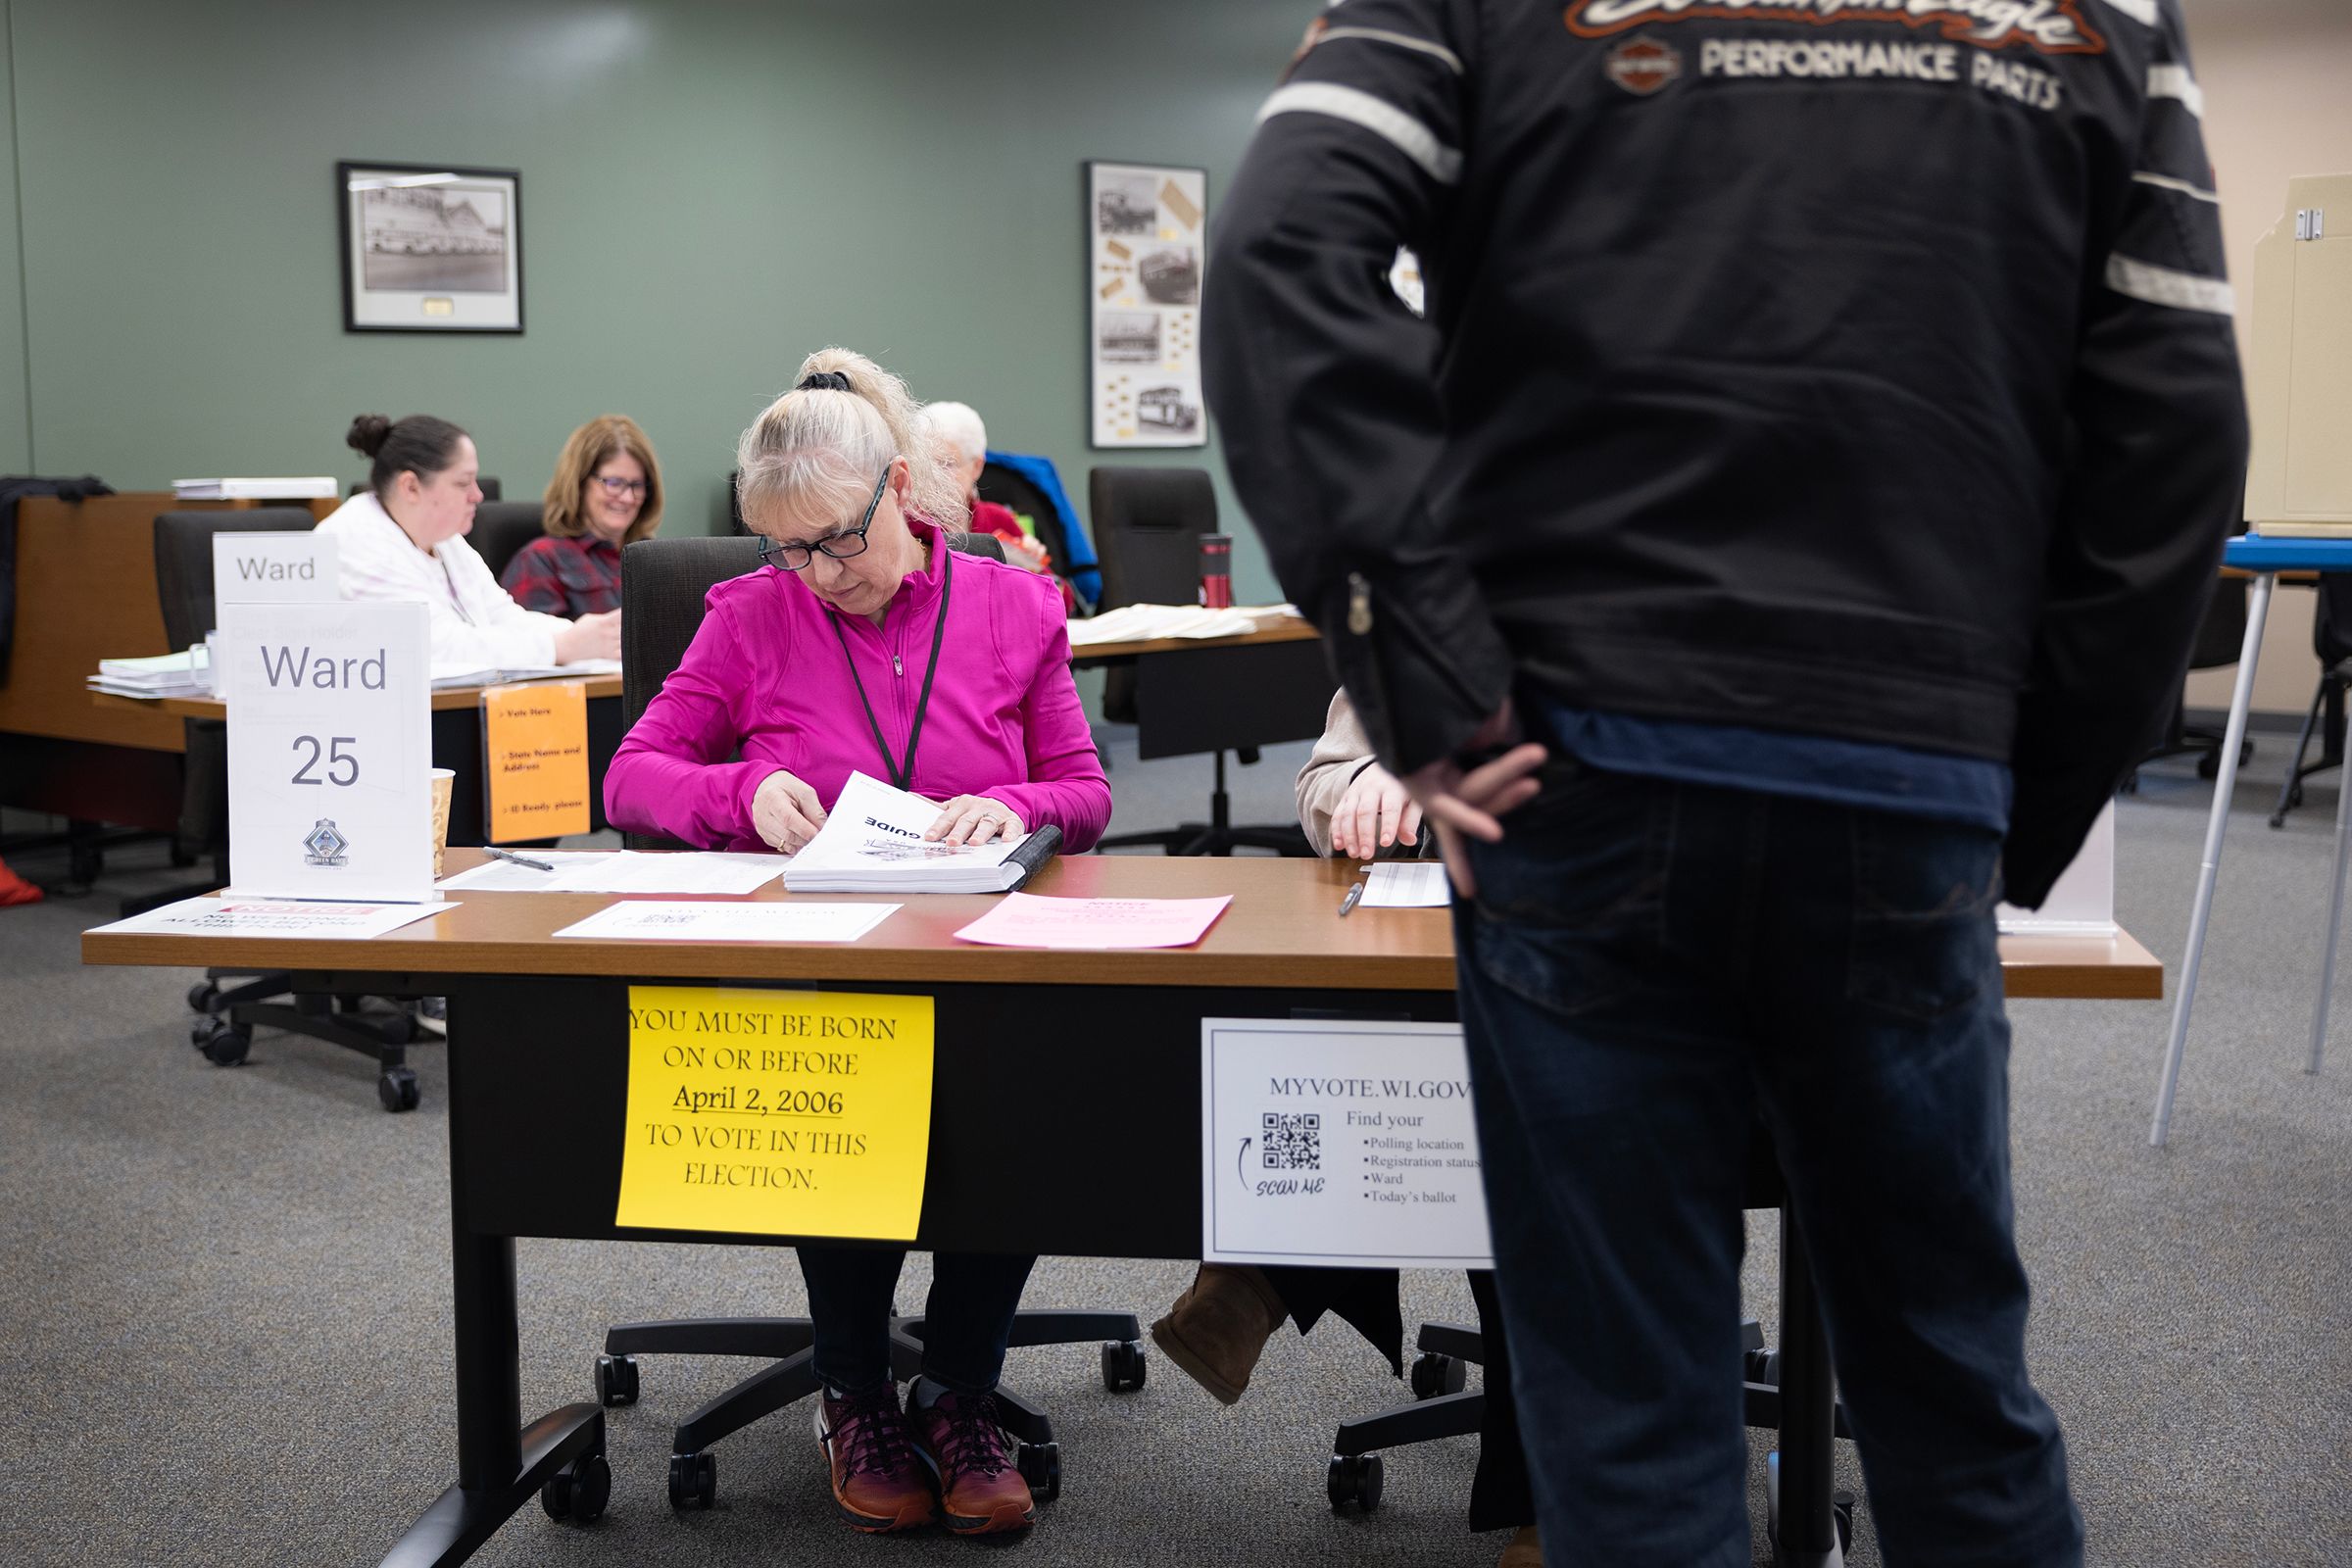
x,y
1391,125
2142,12
2163,285
1401,41
2175,82
2168,182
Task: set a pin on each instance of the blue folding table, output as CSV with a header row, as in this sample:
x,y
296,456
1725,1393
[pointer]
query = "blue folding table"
x,y
2265,559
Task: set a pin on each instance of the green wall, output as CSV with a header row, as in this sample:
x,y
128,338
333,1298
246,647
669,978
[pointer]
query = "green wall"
x,y
710,189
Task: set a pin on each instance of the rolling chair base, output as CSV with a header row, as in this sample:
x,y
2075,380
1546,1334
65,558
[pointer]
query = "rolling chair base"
x,y
225,1018
694,1472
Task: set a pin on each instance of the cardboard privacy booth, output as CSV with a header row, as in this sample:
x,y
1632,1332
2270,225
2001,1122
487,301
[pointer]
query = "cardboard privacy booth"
x,y
2299,386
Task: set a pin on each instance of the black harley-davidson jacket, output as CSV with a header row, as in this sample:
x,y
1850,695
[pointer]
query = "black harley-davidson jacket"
x,y
1851,368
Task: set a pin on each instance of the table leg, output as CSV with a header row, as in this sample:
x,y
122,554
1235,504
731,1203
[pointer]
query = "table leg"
x,y
2241,699
501,1463
2335,922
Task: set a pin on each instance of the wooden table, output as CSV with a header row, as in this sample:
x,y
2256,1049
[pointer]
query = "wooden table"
x,y
1273,630
444,698
1085,1068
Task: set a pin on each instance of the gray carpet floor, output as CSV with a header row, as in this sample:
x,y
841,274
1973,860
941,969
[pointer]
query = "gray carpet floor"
x,y
223,1293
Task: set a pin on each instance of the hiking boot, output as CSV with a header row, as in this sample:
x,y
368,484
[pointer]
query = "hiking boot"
x,y
1219,1327
980,1489
878,1482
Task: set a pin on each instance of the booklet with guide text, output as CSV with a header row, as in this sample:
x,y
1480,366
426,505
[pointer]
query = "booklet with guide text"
x,y
873,842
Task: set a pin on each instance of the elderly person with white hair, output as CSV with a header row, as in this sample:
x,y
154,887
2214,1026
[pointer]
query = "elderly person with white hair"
x,y
962,450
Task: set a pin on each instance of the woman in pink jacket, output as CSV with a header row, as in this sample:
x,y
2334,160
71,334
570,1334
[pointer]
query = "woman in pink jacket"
x,y
865,645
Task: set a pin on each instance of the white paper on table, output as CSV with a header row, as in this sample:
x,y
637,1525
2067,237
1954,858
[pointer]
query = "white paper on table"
x,y
1030,920
799,920
1406,885
2082,902
687,872
505,877
231,916
1339,1144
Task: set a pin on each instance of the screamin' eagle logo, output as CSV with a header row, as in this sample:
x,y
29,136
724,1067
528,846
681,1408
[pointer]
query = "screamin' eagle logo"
x,y
2051,26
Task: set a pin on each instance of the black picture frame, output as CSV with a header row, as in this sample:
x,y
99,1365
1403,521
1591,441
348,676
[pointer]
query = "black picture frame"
x,y
442,251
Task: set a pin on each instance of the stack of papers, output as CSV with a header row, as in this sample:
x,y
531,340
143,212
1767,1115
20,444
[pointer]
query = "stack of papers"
x,y
446,675
1140,623
310,487
163,676
873,842
624,871
1407,885
231,916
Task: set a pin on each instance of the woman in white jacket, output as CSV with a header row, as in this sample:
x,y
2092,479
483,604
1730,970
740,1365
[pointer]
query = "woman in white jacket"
x,y
403,538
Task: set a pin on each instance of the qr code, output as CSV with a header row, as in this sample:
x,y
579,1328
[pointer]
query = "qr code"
x,y
1294,1142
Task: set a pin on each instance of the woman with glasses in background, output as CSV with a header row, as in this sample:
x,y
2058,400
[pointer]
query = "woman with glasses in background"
x,y
606,493
866,644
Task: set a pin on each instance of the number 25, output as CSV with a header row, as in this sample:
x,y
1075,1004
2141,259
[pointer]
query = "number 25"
x,y
342,766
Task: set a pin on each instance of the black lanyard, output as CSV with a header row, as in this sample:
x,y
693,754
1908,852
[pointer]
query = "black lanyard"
x,y
902,774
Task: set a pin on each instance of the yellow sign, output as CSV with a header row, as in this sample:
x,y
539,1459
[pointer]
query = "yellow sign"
x,y
535,739
776,1112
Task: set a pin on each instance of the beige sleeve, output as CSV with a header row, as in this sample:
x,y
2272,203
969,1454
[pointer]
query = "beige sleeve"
x,y
1339,755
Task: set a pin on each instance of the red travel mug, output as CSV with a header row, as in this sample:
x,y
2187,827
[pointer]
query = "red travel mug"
x,y
1216,571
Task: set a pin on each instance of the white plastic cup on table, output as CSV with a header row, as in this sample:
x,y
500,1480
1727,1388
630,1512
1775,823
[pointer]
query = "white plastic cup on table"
x,y
444,780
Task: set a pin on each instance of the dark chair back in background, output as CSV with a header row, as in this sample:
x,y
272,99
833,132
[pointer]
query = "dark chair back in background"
x,y
183,561
662,584
501,528
1008,488
2331,642
1147,528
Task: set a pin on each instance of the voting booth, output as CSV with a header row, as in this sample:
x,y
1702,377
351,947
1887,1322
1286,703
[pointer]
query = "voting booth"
x,y
2299,385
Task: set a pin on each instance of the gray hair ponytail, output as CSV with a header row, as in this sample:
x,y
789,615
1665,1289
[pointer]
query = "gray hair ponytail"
x,y
814,451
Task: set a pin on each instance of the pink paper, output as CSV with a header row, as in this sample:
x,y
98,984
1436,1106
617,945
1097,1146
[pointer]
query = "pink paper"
x,y
1027,920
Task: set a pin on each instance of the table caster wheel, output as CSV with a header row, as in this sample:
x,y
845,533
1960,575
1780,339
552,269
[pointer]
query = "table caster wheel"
x,y
1353,1477
579,1491
223,1044
1122,1365
396,1089
1040,1465
615,1380
1434,1374
204,997
693,1480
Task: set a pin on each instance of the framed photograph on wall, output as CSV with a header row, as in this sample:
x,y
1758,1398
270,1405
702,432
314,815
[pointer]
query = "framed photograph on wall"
x,y
1146,241
430,248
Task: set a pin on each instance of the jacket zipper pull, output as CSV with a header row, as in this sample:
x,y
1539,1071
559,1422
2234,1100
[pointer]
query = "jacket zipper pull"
x,y
1359,604
897,668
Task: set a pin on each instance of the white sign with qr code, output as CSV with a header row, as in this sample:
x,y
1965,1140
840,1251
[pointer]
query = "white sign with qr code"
x,y
1338,1144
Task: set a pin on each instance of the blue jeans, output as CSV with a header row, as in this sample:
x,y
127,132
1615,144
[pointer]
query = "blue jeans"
x,y
1650,973
965,1323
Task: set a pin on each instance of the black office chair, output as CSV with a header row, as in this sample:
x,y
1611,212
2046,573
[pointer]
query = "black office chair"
x,y
1008,488
662,582
226,1015
2221,637
2332,641
1147,528
501,528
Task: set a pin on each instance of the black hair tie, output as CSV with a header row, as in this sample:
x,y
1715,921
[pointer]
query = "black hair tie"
x,y
824,381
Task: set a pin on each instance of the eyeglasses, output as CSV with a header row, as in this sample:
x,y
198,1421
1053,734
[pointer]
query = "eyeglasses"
x,y
616,488
841,546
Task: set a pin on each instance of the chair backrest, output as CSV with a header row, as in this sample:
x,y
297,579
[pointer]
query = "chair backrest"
x,y
501,528
1008,488
183,561
1147,528
662,585
2332,625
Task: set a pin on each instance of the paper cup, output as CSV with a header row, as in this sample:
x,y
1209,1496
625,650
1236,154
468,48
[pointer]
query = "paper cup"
x,y
443,779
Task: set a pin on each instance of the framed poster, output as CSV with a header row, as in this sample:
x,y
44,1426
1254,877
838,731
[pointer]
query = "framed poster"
x,y
430,248
1147,240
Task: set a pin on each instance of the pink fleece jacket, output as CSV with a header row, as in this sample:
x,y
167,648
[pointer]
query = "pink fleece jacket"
x,y
764,680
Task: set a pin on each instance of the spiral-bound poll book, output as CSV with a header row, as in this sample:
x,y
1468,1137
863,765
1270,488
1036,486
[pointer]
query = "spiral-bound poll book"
x,y
873,842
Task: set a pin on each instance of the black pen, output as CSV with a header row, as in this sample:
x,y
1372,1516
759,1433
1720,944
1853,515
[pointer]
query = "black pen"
x,y
1354,892
518,859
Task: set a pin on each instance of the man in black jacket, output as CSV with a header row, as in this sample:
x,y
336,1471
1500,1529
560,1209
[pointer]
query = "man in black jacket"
x,y
1820,441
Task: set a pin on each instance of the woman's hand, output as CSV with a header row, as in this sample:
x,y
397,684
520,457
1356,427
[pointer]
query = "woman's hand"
x,y
784,811
1374,813
589,637
974,819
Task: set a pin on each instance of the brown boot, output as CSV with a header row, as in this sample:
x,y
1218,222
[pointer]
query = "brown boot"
x,y
1524,1551
1218,1327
